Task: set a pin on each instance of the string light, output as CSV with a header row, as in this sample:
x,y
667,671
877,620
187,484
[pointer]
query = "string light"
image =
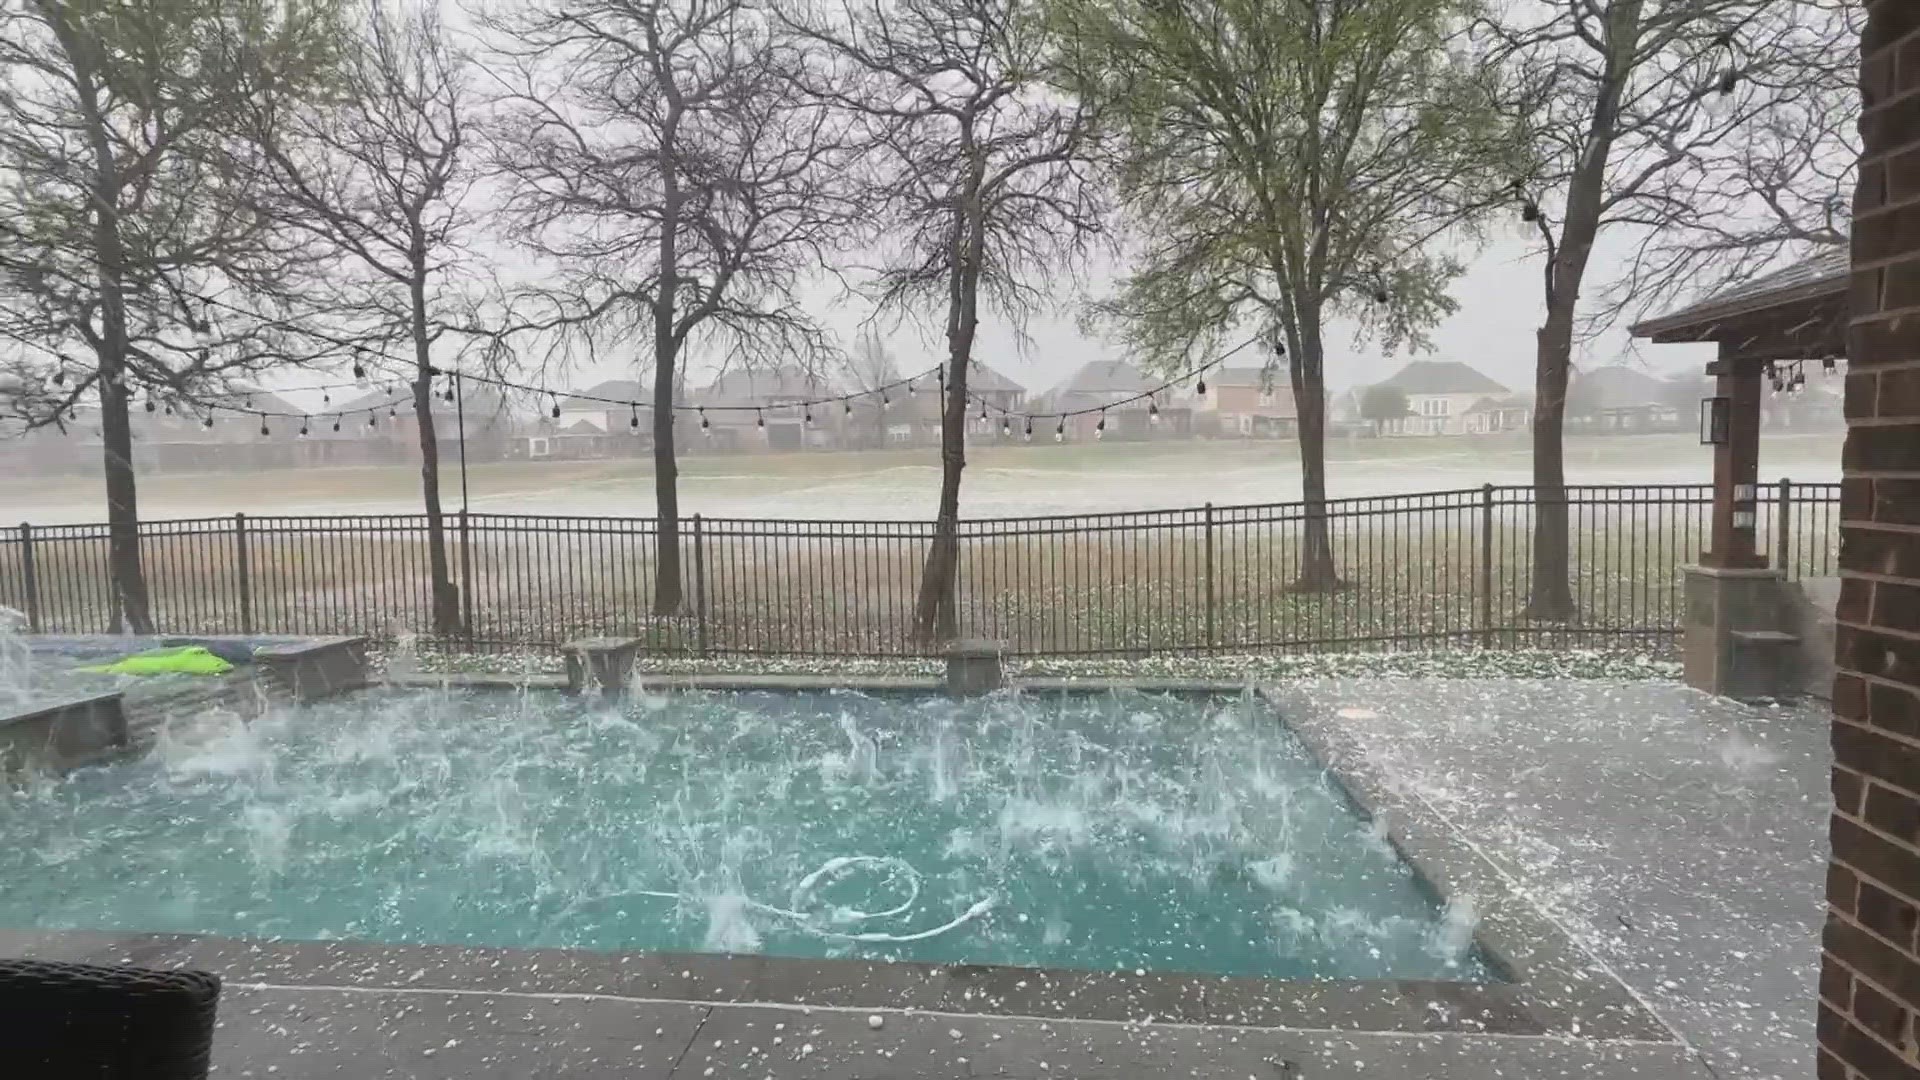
x,y
1060,432
1153,411
556,404
1029,429
883,401
633,421
1200,388
1530,211
263,425
60,377
706,425
303,427
1100,429
336,423
760,418
208,422
1006,424
910,390
807,417
151,404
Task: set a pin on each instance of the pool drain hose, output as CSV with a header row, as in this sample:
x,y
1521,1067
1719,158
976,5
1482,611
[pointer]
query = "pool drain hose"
x,y
833,869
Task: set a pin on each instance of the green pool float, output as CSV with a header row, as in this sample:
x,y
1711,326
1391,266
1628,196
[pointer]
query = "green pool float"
x,y
178,659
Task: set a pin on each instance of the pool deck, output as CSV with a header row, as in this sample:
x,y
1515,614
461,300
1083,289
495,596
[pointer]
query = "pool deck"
x,y
1677,839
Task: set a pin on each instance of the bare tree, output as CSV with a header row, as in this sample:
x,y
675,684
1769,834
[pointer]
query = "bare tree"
x,y
1286,164
379,169
130,259
980,177
870,367
660,158
1711,133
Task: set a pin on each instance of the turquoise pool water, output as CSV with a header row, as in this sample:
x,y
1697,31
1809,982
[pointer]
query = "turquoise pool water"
x,y
1097,831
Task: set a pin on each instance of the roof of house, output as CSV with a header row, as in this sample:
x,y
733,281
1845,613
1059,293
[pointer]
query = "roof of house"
x,y
1616,386
1266,376
745,387
984,379
1820,275
1499,404
1441,377
1107,377
617,389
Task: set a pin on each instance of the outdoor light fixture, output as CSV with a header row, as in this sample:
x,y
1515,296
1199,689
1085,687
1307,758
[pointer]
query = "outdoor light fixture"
x,y
1716,421
1743,493
1743,519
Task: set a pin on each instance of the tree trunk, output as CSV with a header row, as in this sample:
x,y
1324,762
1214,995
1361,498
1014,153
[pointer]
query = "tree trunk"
x,y
667,592
1551,595
934,614
1306,372
446,595
132,614
128,577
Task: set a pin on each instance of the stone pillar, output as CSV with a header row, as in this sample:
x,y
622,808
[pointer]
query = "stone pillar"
x,y
1869,1019
62,736
604,663
316,668
1732,642
1736,466
973,668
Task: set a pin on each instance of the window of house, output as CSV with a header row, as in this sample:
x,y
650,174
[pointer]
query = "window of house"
x,y
537,448
1435,407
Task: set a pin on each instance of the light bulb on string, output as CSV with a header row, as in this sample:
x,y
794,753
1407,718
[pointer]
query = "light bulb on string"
x,y
1029,429
59,377
910,390
336,423
152,405
806,418
849,406
1200,387
633,420
208,422
448,397
1153,411
706,425
263,425
373,419
326,399
1006,426
760,419
359,368
1100,429
1060,430
883,401
303,427
556,404
169,408
983,410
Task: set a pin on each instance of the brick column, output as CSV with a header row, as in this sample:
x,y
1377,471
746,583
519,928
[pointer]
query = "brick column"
x,y
1870,972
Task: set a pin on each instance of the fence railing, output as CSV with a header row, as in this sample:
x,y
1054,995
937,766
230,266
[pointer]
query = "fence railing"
x,y
1432,569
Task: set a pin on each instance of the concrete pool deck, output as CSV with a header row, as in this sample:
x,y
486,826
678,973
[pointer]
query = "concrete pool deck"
x,y
1678,839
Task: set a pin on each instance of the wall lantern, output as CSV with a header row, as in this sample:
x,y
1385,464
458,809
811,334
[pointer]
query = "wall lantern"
x,y
1716,421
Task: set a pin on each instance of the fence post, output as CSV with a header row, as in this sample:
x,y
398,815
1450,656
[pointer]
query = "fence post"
x,y
700,585
1783,528
1210,601
1486,566
30,578
244,571
466,576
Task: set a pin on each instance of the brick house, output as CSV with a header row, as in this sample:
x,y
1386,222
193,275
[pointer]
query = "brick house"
x,y
1870,972
1247,402
1446,397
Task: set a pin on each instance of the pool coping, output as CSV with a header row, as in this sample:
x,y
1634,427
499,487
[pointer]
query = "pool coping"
x,y
1557,989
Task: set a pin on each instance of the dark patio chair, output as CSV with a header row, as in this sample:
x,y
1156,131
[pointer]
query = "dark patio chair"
x,y
105,1023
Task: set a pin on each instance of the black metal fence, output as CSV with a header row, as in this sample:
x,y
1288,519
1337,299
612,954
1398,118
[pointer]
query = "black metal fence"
x,y
1424,570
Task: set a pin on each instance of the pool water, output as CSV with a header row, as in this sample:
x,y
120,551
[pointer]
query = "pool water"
x,y
1112,830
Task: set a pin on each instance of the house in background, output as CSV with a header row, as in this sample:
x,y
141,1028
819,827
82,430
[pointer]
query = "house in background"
x,y
761,410
487,419
592,425
1246,402
1618,398
1104,385
1001,395
1446,397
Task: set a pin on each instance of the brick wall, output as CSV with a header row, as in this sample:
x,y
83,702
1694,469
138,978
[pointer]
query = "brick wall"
x,y
1870,973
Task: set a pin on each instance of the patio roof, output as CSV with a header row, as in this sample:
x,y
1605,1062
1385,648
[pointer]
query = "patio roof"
x,y
1796,312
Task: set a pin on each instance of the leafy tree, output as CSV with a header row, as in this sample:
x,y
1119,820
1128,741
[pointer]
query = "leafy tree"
x,y
1287,164
1383,403
1712,135
658,156
978,180
132,260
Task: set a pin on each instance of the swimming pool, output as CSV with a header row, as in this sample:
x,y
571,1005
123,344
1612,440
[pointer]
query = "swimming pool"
x,y
1111,830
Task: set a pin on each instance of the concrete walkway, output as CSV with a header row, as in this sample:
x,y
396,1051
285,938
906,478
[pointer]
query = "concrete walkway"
x,y
1679,837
